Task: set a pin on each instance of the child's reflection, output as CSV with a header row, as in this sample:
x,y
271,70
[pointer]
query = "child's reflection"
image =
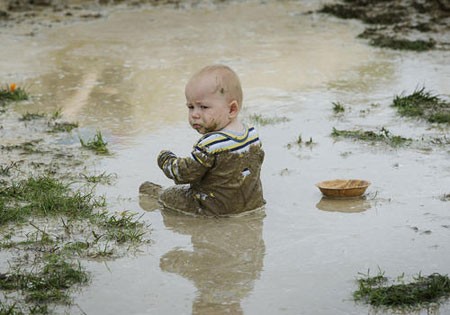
x,y
226,259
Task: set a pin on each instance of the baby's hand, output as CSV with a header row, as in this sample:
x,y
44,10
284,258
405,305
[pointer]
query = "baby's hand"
x,y
164,156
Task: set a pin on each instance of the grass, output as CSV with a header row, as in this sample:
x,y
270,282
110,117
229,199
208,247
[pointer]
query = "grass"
x,y
390,17
343,12
5,170
54,125
97,144
384,136
384,41
85,231
44,196
423,104
299,142
12,93
338,107
47,284
14,309
260,120
102,178
422,290
31,116
62,126
123,227
48,216
27,147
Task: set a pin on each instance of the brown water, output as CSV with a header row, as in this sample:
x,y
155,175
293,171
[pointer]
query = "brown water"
x,y
124,75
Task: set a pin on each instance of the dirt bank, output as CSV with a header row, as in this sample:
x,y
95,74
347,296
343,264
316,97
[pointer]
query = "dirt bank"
x,y
33,15
407,25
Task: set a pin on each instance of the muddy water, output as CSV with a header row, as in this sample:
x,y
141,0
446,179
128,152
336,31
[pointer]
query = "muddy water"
x,y
124,74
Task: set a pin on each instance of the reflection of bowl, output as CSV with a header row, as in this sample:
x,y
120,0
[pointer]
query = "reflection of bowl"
x,y
343,187
343,205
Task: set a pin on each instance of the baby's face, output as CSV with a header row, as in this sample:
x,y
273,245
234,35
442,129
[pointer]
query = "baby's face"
x,y
208,109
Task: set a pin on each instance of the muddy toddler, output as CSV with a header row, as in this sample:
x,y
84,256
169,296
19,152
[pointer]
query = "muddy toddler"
x,y
222,175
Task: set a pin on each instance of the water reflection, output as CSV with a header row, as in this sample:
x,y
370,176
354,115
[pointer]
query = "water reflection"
x,y
359,204
225,260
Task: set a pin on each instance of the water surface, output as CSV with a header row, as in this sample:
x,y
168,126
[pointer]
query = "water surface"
x,y
124,74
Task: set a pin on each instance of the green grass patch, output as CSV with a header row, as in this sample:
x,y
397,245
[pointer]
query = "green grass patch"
x,y
97,144
49,283
5,170
378,291
62,126
299,142
14,309
52,216
384,41
31,116
344,11
44,196
384,136
43,275
12,93
260,120
102,178
123,227
338,107
28,147
423,104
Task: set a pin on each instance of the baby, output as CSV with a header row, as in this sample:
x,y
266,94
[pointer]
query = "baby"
x,y
222,175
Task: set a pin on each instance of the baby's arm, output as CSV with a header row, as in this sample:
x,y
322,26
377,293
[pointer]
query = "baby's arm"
x,y
184,170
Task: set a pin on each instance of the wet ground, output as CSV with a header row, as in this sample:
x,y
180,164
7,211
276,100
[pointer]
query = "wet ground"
x,y
124,74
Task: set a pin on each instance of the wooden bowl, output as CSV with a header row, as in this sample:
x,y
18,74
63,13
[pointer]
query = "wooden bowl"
x,y
342,188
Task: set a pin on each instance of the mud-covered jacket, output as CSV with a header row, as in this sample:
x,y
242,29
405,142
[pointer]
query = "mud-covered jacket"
x,y
223,172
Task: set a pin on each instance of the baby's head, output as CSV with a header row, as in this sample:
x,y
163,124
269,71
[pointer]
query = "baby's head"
x,y
219,79
214,98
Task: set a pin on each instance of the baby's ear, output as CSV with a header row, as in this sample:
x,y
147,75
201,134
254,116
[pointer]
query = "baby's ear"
x,y
234,108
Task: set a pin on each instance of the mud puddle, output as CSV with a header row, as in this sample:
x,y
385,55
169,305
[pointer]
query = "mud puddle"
x,y
124,74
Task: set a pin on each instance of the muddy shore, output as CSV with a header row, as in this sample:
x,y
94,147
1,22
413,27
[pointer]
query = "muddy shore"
x,y
402,25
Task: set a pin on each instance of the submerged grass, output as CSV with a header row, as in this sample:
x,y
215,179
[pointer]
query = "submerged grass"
x,y
367,135
44,196
14,309
123,227
96,144
384,41
102,178
49,283
260,120
423,104
338,107
85,231
45,221
62,126
31,116
423,290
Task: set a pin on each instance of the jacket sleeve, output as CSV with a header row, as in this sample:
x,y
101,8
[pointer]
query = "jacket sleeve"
x,y
186,170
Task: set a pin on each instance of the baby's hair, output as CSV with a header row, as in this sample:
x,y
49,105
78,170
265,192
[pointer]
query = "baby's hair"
x,y
227,82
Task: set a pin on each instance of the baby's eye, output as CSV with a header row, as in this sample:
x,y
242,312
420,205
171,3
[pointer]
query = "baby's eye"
x,y
203,107
190,106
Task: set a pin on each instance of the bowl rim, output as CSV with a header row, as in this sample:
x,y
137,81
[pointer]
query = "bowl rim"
x,y
364,184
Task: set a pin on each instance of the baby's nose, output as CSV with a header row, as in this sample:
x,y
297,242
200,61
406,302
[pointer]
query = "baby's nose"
x,y
195,113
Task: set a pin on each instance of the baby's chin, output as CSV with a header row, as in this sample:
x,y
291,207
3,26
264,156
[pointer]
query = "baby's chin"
x,y
199,129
